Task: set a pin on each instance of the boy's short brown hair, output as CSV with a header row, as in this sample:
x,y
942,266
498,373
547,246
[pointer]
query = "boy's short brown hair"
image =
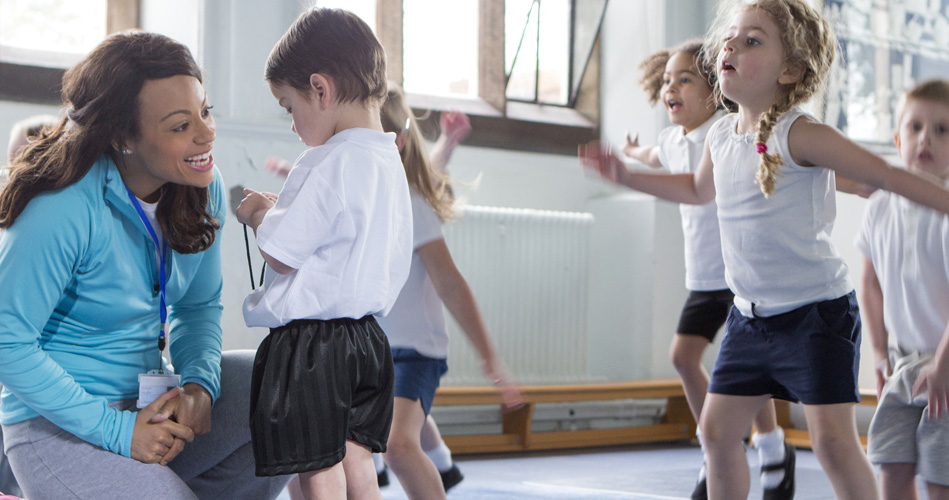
x,y
335,43
930,91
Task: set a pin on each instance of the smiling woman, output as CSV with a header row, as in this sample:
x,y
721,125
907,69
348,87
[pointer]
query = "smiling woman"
x,y
112,222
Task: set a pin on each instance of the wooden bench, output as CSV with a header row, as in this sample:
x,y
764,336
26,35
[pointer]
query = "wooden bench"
x,y
800,438
517,434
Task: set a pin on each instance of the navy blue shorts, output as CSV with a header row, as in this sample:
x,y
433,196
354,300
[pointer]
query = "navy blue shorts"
x,y
704,312
810,354
417,376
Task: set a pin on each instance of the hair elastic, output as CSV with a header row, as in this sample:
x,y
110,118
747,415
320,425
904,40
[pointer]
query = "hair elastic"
x,y
762,148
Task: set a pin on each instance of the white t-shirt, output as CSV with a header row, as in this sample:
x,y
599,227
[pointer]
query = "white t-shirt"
x,y
778,251
680,153
417,320
344,222
909,247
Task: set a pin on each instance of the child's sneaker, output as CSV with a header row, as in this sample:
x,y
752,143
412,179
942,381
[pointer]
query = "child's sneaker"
x,y
785,489
700,492
451,477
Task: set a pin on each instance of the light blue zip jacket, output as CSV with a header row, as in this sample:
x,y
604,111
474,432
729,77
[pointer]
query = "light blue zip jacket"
x,y
79,308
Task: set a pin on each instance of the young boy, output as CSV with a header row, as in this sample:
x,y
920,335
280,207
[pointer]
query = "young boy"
x,y
338,245
905,292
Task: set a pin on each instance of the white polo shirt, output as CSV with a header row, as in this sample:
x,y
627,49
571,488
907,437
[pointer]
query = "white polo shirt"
x,y
778,251
344,222
909,246
417,320
680,153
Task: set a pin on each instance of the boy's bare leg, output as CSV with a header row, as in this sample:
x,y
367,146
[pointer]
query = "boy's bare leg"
x,y
833,430
898,481
360,473
324,484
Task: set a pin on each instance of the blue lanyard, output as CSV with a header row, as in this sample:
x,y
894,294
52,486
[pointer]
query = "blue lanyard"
x,y
162,279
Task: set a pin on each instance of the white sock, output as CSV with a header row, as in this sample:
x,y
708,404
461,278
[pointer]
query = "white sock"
x,y
441,457
378,462
770,451
698,434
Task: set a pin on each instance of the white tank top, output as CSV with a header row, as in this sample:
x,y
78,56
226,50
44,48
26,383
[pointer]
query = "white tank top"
x,y
778,251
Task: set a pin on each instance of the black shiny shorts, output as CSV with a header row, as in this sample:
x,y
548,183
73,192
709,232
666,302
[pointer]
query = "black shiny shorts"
x,y
316,385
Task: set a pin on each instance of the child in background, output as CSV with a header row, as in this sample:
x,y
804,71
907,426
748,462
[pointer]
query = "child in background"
x,y
794,330
905,290
416,325
454,128
683,82
337,242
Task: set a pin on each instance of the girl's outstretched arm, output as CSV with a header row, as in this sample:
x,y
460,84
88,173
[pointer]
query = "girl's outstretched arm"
x,y
813,143
454,291
694,189
648,155
871,302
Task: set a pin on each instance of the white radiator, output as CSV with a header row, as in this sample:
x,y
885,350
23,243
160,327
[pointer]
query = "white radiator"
x,y
528,271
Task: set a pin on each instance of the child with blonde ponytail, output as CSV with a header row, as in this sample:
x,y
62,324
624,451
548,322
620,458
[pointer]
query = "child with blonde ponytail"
x,y
794,330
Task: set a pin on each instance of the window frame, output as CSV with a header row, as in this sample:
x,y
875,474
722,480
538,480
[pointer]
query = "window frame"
x,y
43,85
495,119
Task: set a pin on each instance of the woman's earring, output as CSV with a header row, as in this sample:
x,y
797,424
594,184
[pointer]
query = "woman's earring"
x,y
126,151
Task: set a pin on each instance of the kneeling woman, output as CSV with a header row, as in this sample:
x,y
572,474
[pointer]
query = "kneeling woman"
x,y
112,221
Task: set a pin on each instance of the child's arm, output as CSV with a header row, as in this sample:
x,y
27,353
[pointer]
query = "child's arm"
x,y
453,290
695,189
813,143
871,301
850,186
648,155
251,212
455,127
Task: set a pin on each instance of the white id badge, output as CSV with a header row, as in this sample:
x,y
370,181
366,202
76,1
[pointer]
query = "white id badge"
x,y
154,384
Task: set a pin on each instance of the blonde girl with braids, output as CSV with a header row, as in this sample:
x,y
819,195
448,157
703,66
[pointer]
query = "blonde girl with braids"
x,y
683,82
794,330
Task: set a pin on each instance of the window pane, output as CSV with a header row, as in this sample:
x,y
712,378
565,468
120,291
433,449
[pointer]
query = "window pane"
x,y
440,47
365,9
522,79
554,51
50,32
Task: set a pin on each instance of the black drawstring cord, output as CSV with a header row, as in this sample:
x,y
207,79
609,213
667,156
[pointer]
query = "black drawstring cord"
x,y
250,267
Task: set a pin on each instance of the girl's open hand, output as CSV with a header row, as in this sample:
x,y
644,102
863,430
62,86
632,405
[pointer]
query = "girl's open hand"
x,y
602,162
455,126
632,143
277,166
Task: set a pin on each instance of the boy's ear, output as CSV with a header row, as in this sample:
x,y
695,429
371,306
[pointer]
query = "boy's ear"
x,y
400,139
791,74
322,88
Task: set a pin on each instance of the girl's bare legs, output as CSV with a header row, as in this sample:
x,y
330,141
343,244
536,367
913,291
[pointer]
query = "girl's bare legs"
x,y
833,431
686,353
417,474
361,482
898,481
431,437
725,421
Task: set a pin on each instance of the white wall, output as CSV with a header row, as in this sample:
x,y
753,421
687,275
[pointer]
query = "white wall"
x,y
637,287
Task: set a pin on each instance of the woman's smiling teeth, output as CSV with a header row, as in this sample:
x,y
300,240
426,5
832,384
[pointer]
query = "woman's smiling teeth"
x,y
199,161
